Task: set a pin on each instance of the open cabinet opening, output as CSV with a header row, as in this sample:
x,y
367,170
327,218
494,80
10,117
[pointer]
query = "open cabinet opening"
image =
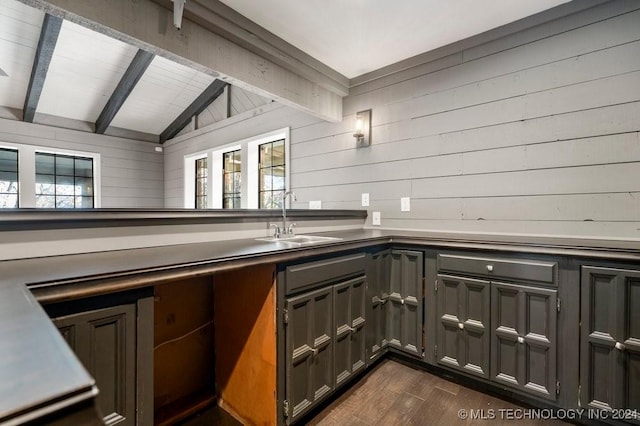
x,y
215,343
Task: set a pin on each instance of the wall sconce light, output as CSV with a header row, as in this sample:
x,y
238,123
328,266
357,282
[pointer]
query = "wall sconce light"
x,y
363,129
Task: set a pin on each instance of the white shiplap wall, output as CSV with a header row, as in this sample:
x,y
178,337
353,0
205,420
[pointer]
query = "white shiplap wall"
x,y
131,171
537,132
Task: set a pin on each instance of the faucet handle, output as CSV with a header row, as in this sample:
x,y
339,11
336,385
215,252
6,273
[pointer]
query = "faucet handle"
x,y
290,228
276,232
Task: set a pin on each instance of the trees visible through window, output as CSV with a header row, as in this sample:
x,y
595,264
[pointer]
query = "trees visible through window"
x,y
8,178
271,173
231,179
201,183
64,181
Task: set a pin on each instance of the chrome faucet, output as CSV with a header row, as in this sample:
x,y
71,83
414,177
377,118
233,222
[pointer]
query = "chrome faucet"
x,y
287,230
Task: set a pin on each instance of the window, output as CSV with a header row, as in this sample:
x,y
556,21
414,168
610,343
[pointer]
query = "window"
x,y
8,178
251,173
201,183
64,181
271,174
231,179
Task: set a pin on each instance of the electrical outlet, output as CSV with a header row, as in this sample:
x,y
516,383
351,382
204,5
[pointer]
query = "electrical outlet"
x,y
158,149
405,204
375,219
365,199
315,205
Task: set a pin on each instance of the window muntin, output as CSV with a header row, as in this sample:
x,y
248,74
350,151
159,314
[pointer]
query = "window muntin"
x,y
271,174
231,179
201,183
8,178
64,181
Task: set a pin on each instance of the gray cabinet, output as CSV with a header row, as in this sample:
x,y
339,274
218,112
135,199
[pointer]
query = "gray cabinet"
x,y
349,325
309,357
463,334
610,338
105,342
524,338
378,270
404,306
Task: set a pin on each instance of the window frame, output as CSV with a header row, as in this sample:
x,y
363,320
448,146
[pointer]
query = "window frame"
x,y
58,176
18,190
205,205
234,173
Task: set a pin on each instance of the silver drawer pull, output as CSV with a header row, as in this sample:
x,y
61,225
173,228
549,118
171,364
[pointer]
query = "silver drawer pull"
x,y
461,326
402,301
620,346
520,339
490,268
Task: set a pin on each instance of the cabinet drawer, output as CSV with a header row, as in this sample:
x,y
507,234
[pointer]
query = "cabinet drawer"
x,y
305,275
514,269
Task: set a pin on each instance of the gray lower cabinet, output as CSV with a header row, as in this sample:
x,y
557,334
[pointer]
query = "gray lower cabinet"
x,y
524,338
404,306
309,350
610,338
463,333
378,270
349,325
105,342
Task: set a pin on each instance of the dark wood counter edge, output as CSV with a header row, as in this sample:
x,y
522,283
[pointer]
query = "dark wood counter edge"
x,y
79,287
41,219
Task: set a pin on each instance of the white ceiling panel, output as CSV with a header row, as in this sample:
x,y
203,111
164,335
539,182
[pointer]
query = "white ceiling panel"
x,y
164,91
19,33
357,36
84,71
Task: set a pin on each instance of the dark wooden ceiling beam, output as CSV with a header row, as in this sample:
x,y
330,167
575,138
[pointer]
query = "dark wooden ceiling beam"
x,y
134,72
205,99
44,52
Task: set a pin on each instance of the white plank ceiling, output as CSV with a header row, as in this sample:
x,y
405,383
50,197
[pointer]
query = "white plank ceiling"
x,y
84,72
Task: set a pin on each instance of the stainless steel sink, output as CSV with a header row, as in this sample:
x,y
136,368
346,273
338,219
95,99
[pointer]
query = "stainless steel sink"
x,y
299,240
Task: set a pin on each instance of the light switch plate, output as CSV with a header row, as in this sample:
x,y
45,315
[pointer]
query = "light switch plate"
x,y
405,204
375,219
158,149
365,199
315,205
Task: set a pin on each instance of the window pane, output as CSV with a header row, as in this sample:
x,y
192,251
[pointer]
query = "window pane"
x,y
65,185
83,186
8,201
278,153
84,202
8,160
277,178
229,165
237,183
265,179
64,165
65,202
237,161
45,201
237,203
8,182
265,155
84,167
45,184
45,164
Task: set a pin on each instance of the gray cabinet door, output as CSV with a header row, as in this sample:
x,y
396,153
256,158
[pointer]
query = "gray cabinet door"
x,y
610,338
309,337
105,342
404,306
349,321
524,338
377,297
463,313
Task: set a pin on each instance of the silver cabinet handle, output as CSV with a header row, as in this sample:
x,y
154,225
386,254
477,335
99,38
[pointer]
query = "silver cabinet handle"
x,y
402,301
520,339
461,326
620,346
490,268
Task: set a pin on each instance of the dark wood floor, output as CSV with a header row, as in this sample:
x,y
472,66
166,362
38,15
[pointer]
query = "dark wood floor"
x,y
395,394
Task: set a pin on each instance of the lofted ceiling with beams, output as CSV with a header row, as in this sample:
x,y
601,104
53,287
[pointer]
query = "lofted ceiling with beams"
x,y
58,68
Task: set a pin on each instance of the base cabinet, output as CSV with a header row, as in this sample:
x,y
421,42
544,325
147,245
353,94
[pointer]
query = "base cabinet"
x,y
378,273
610,339
524,338
349,325
463,334
105,342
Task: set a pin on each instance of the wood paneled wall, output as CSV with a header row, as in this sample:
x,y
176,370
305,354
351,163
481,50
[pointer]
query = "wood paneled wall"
x,y
534,132
131,171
